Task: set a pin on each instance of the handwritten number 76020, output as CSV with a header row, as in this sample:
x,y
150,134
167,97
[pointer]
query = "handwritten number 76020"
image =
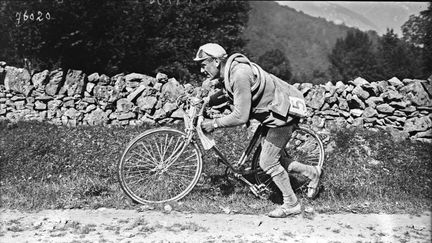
x,y
23,17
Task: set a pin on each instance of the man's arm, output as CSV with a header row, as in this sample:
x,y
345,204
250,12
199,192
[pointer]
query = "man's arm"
x,y
217,98
242,77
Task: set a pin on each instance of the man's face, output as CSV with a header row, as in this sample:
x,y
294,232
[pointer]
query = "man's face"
x,y
210,68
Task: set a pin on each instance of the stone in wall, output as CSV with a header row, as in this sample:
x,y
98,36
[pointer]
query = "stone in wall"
x,y
399,104
73,114
360,92
138,91
55,82
93,78
169,107
340,87
68,102
97,117
428,86
74,83
146,103
39,81
89,89
382,86
178,114
305,88
104,93
343,104
104,80
415,93
119,82
315,97
418,124
395,82
126,116
159,114
124,105
133,80
40,105
172,90
424,135
391,95
54,104
355,102
81,105
369,112
161,78
385,108
18,80
372,88
374,101
356,112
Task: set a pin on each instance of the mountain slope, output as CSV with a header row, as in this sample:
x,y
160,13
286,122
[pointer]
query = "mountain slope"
x,y
377,16
304,39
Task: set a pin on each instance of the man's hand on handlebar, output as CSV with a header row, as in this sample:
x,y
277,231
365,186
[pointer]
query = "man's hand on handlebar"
x,y
208,125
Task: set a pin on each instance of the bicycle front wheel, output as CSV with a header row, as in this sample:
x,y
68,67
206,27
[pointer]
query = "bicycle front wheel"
x,y
158,166
304,146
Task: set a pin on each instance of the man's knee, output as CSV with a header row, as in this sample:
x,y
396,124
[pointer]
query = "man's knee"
x,y
269,159
274,171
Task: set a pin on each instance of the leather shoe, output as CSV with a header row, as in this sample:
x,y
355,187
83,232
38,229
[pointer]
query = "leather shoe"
x,y
285,211
313,184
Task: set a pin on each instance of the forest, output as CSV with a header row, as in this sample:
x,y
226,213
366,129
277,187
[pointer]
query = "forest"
x,y
151,36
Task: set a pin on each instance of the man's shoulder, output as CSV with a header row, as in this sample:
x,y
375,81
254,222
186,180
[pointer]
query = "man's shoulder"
x,y
239,68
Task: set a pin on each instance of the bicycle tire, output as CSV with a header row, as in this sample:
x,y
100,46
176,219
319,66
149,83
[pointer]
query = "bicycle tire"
x,y
149,172
304,146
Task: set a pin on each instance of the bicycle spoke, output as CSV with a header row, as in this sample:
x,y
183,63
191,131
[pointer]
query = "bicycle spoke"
x,y
143,158
153,152
178,145
165,147
158,149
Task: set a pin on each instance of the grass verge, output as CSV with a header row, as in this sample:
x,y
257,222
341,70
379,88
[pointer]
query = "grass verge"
x,y
44,166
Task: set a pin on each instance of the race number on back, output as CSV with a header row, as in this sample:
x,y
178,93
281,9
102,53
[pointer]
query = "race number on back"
x,y
297,106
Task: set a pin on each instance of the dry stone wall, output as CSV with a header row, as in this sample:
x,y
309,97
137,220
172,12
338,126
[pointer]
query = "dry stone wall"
x,y
401,106
70,97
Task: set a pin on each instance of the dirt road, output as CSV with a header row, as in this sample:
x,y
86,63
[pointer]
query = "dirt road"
x,y
111,225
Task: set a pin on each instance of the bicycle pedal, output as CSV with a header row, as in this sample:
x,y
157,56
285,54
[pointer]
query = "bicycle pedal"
x,y
260,191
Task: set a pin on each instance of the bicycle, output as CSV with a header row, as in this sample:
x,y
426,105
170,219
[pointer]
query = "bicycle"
x,y
164,164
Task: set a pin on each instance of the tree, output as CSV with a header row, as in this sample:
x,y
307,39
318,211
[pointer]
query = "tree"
x,y
353,56
413,31
275,62
427,53
398,58
418,31
120,36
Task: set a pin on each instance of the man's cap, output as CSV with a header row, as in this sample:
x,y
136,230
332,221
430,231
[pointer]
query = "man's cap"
x,y
210,50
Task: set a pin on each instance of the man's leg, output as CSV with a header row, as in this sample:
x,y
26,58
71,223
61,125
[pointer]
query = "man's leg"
x,y
311,172
272,145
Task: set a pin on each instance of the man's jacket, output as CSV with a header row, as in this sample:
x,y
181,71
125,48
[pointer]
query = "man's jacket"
x,y
273,102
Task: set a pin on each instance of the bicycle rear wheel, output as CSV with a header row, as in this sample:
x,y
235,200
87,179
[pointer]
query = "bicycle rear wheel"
x,y
304,146
157,166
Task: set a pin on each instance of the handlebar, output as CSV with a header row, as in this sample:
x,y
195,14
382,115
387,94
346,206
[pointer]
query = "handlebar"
x,y
193,101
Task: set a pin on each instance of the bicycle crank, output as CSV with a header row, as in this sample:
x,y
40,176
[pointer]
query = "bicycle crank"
x,y
260,191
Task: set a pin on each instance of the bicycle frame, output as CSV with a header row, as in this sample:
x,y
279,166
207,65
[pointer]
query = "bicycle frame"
x,y
238,173
190,129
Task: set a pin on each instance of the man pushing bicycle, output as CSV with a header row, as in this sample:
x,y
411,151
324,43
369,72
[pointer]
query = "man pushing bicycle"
x,y
257,94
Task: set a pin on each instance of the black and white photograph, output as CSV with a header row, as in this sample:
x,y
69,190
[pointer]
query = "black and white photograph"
x,y
215,121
